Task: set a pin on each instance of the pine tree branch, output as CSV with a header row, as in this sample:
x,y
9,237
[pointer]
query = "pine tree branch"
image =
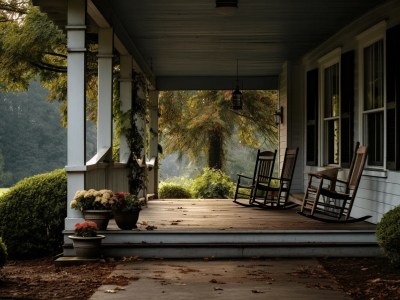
x,y
56,54
20,8
49,67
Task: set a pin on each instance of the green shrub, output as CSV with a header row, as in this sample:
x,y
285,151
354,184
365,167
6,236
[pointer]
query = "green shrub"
x,y
32,215
388,235
3,253
171,190
211,184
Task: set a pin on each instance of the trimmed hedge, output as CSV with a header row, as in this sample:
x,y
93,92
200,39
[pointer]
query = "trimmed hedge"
x,y
173,191
212,184
388,235
32,215
3,253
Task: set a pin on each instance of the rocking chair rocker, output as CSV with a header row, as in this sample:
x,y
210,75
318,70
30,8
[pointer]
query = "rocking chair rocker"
x,y
329,199
246,186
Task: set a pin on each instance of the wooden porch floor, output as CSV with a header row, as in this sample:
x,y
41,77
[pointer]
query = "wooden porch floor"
x,y
224,215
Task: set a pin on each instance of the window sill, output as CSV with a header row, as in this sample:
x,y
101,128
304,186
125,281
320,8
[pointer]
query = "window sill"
x,y
375,173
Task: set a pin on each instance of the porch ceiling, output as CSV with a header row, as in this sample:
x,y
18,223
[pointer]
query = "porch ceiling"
x,y
185,42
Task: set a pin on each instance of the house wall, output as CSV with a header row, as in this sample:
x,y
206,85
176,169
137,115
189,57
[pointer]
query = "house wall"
x,y
379,191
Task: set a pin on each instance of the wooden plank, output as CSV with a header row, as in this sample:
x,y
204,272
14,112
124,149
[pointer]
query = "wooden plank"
x,y
200,214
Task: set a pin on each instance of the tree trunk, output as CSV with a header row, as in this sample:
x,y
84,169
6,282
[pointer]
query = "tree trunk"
x,y
216,150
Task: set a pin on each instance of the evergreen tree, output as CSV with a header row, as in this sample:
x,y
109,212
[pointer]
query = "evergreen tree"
x,y
32,45
32,139
202,122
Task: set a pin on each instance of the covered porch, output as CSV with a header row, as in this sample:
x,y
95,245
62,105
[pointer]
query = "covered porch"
x,y
183,45
206,228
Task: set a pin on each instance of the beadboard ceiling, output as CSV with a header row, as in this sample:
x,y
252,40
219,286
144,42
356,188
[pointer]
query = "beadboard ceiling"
x,y
193,39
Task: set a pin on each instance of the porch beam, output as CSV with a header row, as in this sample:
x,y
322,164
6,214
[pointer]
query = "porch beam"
x,y
125,43
76,45
174,83
104,107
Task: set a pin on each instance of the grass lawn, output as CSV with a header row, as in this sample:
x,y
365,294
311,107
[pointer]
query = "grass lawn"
x,y
3,190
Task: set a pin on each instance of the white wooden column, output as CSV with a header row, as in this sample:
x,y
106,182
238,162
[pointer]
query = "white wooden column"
x,y
153,174
141,127
104,117
126,101
76,31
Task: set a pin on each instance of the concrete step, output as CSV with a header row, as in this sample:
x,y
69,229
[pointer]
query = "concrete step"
x,y
236,244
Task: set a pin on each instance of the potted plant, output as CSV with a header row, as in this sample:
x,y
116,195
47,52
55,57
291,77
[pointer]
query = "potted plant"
x,y
126,208
95,206
86,241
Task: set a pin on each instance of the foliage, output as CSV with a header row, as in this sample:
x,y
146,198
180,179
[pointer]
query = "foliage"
x,y
171,190
127,202
3,253
92,199
388,235
5,177
213,184
136,177
86,229
31,45
41,143
32,215
202,122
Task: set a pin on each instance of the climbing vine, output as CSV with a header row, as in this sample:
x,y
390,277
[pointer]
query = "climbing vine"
x,y
126,123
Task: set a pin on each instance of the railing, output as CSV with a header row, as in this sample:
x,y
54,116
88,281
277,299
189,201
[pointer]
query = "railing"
x,y
103,173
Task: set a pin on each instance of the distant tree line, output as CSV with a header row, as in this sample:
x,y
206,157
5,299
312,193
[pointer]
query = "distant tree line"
x,y
32,138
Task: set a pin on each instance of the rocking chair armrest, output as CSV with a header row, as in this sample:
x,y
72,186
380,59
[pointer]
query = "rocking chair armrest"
x,y
323,176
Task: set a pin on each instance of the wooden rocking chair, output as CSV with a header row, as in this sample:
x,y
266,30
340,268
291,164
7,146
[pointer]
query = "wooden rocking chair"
x,y
276,192
329,199
263,170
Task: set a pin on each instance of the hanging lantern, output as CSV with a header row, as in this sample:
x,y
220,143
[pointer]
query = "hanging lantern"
x,y
237,96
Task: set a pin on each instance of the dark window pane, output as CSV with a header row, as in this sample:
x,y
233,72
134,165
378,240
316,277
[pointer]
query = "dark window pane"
x,y
375,138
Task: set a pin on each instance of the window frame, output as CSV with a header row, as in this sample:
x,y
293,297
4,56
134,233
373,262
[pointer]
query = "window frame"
x,y
330,59
366,39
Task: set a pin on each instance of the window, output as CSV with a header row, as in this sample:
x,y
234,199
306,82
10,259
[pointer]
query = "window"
x,y
330,107
373,110
372,93
331,119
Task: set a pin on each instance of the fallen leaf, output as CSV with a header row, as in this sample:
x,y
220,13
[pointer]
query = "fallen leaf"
x,y
217,281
